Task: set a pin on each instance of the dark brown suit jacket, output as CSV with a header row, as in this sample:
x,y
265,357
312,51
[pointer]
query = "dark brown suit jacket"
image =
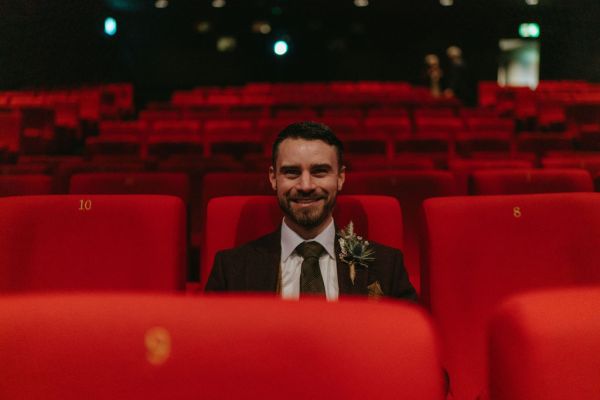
x,y
254,267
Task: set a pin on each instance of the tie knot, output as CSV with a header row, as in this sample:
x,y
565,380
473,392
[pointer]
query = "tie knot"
x,y
310,249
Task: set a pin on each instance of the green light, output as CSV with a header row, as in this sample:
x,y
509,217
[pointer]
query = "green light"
x,y
531,30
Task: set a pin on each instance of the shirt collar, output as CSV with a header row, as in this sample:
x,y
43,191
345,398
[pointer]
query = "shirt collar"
x,y
290,240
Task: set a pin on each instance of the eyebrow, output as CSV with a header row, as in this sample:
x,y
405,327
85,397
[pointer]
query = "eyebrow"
x,y
327,167
294,168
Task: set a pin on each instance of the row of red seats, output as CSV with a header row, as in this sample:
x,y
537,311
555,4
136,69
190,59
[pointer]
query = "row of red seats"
x,y
410,188
85,103
554,104
542,345
478,251
380,142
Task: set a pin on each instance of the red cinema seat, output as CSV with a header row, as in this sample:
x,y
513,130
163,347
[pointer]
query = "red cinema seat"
x,y
236,137
11,126
232,221
137,128
173,184
545,345
480,250
463,168
388,124
378,163
410,188
92,242
524,181
157,347
469,143
20,185
541,143
175,127
219,184
588,162
438,124
66,169
114,144
163,145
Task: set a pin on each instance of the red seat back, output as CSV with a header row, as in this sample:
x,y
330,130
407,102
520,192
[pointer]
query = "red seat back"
x,y
545,345
92,242
157,347
482,249
410,188
173,184
232,221
523,181
18,185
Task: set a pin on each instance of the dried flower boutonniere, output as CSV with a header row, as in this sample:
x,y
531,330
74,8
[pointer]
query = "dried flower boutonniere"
x,y
354,250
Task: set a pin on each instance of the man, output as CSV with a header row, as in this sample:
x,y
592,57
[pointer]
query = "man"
x,y
458,79
301,258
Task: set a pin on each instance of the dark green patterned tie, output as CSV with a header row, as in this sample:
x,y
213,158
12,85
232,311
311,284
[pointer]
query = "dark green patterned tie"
x,y
311,281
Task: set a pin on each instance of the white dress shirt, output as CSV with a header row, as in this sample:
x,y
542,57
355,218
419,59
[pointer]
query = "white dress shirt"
x,y
291,262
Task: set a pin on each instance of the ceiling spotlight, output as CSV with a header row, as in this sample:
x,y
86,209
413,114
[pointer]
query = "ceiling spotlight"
x,y
447,3
110,26
218,3
532,2
226,44
361,3
161,3
262,27
203,26
280,47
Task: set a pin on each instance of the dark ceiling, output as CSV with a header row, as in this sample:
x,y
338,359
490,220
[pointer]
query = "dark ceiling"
x,y
49,43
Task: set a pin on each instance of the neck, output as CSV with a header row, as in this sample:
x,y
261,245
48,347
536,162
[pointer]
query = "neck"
x,y
308,233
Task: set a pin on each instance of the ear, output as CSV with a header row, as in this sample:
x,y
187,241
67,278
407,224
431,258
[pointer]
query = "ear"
x,y
341,177
272,178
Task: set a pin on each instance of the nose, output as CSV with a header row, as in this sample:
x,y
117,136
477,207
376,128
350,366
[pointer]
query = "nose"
x,y
305,182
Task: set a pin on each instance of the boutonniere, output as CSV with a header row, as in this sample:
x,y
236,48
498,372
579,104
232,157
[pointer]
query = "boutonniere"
x,y
354,250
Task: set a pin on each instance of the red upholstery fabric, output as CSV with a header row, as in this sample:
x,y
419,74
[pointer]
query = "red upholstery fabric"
x,y
482,249
378,163
545,346
171,347
543,142
174,184
88,242
410,188
219,184
18,185
591,163
232,221
462,168
521,181
468,143
109,143
65,170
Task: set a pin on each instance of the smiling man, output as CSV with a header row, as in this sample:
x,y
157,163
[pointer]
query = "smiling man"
x,y
301,258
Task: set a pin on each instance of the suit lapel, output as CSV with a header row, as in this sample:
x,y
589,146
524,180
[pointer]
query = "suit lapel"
x,y
343,270
263,274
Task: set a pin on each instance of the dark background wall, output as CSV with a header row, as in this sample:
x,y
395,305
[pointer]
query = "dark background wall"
x,y
49,43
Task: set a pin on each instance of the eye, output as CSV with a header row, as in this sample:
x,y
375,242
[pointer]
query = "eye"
x,y
290,172
320,172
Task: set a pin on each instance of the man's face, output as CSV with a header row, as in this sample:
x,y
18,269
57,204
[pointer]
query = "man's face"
x,y
306,178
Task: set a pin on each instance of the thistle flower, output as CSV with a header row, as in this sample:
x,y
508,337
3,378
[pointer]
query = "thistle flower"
x,y
354,250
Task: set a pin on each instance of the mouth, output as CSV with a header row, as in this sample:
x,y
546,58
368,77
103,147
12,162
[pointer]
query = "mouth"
x,y
307,201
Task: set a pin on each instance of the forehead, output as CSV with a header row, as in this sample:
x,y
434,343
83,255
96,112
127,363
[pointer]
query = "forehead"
x,y
306,152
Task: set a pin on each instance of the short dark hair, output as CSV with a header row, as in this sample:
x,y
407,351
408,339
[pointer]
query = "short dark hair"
x,y
309,130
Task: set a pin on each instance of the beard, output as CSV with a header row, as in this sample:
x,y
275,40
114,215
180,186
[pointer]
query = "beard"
x,y
311,216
